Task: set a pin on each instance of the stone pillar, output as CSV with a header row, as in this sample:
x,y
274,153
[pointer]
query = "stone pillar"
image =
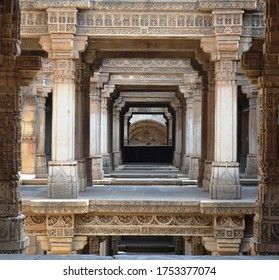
x,y
104,134
178,134
225,49
41,167
12,235
225,168
169,127
105,128
187,246
210,131
104,246
195,158
95,128
126,129
63,48
188,127
252,162
266,221
29,140
116,136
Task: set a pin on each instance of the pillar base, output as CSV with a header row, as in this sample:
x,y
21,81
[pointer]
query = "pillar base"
x,y
177,159
194,167
225,181
41,167
63,179
106,163
116,159
251,170
82,179
97,167
12,238
207,175
186,164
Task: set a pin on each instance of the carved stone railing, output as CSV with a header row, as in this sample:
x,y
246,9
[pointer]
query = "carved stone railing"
x,y
83,218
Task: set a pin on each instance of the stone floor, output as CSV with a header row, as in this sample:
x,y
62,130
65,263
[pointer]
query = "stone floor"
x,y
142,193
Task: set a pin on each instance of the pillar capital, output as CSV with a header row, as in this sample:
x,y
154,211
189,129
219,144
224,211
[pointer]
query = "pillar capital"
x,y
227,44
64,46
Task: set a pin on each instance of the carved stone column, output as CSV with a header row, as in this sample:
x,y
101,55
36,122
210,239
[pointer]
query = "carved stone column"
x,y
225,49
178,134
116,136
80,118
41,168
195,157
63,48
210,117
29,140
12,235
266,221
95,128
188,127
169,127
225,168
126,129
252,161
105,130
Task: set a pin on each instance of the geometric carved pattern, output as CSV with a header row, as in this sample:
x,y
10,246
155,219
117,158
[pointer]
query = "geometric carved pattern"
x,y
151,220
115,23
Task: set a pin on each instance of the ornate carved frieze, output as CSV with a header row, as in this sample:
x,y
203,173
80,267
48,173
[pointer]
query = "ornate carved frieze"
x,y
230,4
147,24
115,23
146,66
43,4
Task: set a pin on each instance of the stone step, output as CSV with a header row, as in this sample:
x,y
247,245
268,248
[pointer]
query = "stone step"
x,y
146,167
145,182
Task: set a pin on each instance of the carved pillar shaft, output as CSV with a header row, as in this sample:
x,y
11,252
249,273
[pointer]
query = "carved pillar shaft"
x,y
178,137
195,159
95,131
252,163
41,167
126,130
210,126
116,136
225,169
266,222
188,141
28,145
79,129
12,235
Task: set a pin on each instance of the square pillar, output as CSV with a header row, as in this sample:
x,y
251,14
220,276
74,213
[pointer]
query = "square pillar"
x,y
225,182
